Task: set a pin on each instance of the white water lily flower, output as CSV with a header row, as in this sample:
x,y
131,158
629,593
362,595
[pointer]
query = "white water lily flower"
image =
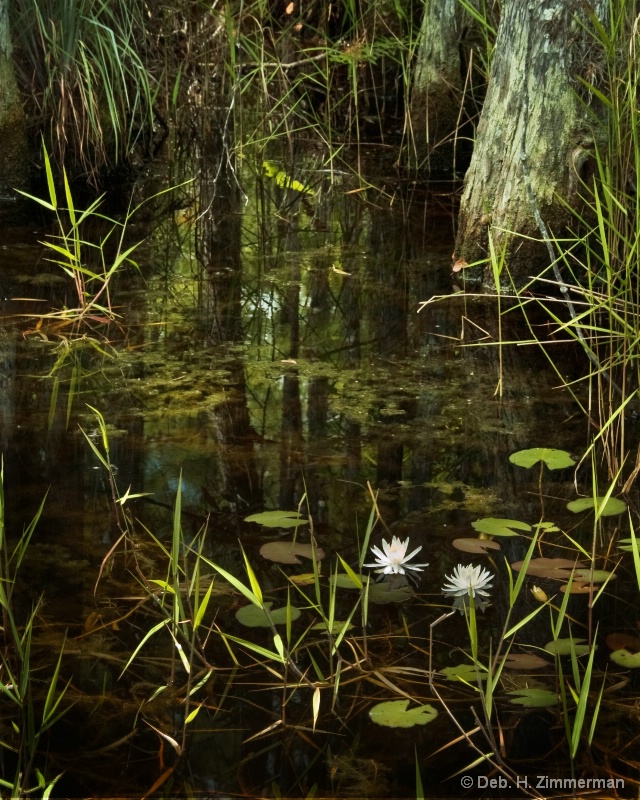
x,y
469,581
393,560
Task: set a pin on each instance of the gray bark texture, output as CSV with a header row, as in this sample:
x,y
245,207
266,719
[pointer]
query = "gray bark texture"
x,y
14,154
534,141
436,92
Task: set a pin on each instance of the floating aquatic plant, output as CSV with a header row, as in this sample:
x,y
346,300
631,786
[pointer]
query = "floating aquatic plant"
x,y
254,617
469,579
393,558
278,519
394,714
495,526
288,552
534,698
606,506
554,459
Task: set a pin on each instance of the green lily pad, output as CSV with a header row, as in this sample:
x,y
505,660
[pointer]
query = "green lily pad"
x,y
597,576
623,658
343,581
611,508
278,519
382,593
468,673
534,698
550,527
254,617
500,527
287,552
394,714
554,459
563,647
336,628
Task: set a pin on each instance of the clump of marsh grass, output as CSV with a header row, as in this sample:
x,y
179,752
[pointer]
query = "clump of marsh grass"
x,y
81,63
599,261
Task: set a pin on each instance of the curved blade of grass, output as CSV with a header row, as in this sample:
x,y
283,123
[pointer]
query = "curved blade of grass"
x,y
146,637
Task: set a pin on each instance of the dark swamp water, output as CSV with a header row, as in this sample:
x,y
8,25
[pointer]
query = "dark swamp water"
x,y
271,348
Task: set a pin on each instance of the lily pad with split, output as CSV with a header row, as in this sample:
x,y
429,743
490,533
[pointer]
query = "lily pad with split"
x,y
343,581
557,568
624,658
495,526
278,519
467,673
549,527
552,458
394,714
578,588
525,661
533,698
304,579
288,552
593,576
623,641
627,544
563,647
336,628
381,593
475,546
254,617
606,508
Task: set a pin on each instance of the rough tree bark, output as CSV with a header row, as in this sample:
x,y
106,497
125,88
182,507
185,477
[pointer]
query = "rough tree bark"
x,y
534,141
436,91
14,155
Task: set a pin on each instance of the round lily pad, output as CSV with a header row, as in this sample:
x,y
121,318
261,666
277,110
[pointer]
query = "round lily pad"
x,y
464,672
394,714
500,527
304,579
593,576
557,568
623,658
384,593
623,641
563,647
534,698
254,617
610,508
336,628
476,546
287,552
525,661
578,588
343,581
278,519
550,527
554,459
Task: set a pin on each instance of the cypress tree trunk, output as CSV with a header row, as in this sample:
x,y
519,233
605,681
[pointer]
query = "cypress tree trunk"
x,y
534,142
14,156
436,92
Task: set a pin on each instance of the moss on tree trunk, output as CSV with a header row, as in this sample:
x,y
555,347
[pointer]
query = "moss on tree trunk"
x,y
533,141
14,155
437,83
